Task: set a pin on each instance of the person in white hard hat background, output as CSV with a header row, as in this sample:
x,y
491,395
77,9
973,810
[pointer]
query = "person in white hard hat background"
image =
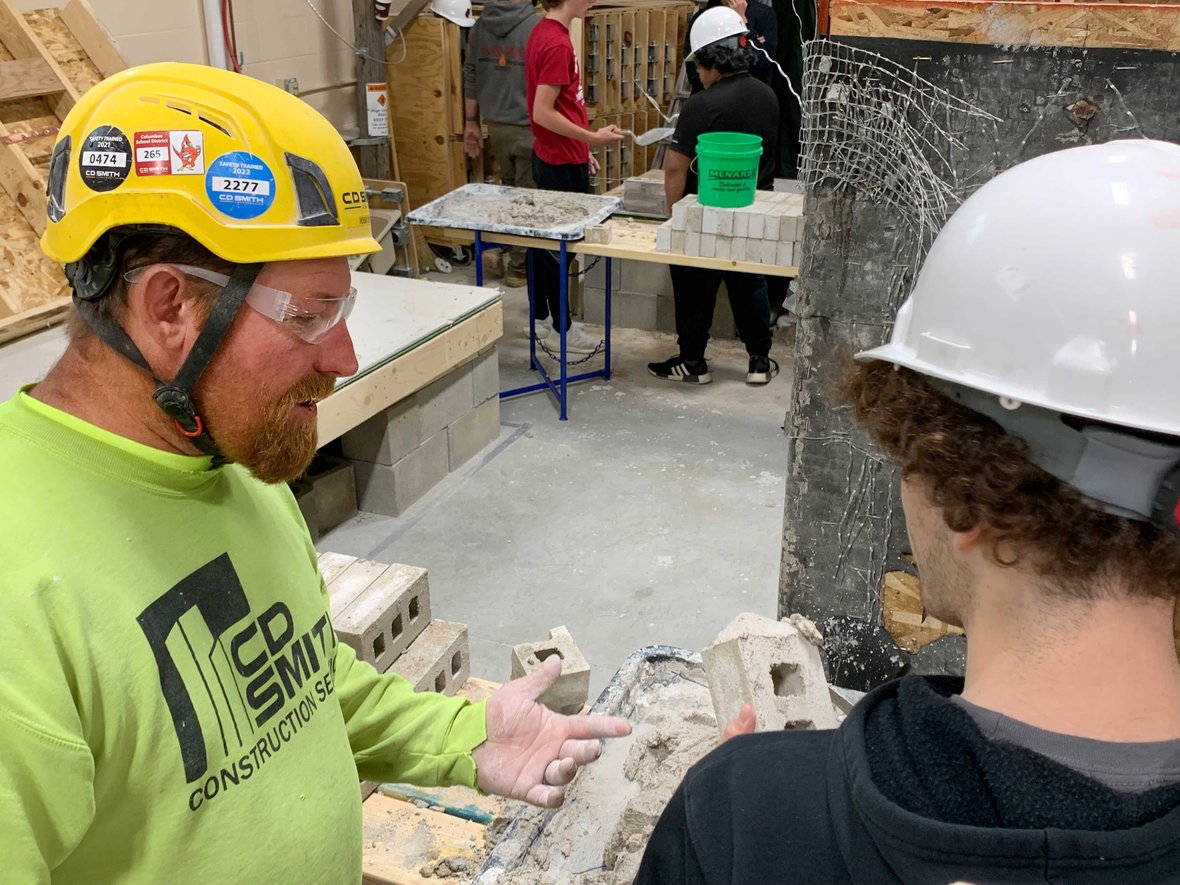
x,y
561,154
457,11
762,28
494,88
1027,397
733,101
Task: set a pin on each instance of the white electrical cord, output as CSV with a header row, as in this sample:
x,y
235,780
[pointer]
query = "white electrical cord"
x,y
790,86
356,48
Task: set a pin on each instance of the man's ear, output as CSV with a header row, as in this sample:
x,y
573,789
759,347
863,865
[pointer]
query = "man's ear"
x,y
970,540
162,317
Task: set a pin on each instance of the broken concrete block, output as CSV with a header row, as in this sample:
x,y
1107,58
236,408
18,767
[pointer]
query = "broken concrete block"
x,y
387,616
598,233
439,660
773,665
572,690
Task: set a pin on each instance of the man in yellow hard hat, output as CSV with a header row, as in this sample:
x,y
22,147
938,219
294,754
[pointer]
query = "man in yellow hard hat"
x,y
174,705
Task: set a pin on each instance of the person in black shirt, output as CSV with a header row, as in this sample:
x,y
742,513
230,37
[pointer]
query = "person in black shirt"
x,y
762,27
1038,447
733,101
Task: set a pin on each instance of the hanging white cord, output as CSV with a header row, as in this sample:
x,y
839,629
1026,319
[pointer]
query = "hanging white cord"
x,y
790,86
357,49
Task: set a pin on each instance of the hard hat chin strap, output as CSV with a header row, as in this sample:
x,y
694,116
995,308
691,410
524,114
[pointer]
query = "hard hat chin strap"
x,y
175,397
1126,473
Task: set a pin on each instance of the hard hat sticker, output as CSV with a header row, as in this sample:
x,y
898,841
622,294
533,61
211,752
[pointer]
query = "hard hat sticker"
x,y
105,159
240,185
170,152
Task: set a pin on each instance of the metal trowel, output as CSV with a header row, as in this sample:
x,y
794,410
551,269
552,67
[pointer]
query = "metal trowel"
x,y
651,136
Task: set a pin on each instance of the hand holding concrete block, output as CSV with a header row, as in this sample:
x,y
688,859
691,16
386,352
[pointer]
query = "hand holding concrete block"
x,y
571,691
774,665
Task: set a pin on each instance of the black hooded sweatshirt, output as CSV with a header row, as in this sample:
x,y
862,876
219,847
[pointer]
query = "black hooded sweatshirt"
x,y
907,790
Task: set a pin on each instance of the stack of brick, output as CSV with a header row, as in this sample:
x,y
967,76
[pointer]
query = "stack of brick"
x,y
766,232
401,453
383,613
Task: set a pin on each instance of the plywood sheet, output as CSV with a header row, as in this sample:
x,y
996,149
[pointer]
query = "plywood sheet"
x,y
1091,25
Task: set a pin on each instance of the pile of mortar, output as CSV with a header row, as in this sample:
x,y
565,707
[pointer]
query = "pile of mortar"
x,y
538,210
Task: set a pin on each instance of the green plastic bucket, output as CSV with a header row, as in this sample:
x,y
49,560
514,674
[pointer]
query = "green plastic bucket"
x,y
727,168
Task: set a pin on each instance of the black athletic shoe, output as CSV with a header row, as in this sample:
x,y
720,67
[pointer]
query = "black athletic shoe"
x,y
762,369
678,369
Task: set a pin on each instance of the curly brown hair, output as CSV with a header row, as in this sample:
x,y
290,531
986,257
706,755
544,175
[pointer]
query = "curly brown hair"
x,y
980,475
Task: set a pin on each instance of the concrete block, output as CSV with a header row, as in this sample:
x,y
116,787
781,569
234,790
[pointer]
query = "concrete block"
x,y
741,223
304,493
663,238
677,243
439,660
710,220
485,375
770,227
725,222
708,245
757,222
387,616
598,233
638,310
774,665
680,216
474,432
389,490
737,248
644,276
335,490
572,690
692,243
789,229
387,437
446,400
695,215
786,254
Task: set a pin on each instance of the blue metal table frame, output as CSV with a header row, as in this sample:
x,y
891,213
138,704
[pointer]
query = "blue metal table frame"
x,y
558,386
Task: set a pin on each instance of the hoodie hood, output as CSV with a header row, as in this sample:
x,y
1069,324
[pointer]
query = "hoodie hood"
x,y
501,17
934,798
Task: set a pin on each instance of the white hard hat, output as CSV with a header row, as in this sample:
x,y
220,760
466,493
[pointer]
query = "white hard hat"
x,y
458,11
713,25
1054,291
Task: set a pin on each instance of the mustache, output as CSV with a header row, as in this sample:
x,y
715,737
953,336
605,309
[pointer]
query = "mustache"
x,y
314,387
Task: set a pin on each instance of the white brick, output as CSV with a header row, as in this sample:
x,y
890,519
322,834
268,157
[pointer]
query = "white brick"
x,y
709,220
788,229
725,222
694,216
769,251
692,243
786,254
679,216
757,222
741,223
677,245
663,238
721,249
708,245
737,248
770,227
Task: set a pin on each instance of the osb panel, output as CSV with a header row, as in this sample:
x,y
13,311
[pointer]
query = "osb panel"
x,y
1091,25
47,24
27,278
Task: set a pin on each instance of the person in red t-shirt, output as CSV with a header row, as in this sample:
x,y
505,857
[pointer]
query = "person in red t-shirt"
x,y
561,152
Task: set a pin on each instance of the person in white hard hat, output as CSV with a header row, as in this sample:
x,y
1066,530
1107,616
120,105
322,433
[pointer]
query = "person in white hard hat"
x,y
733,101
1028,399
762,28
457,11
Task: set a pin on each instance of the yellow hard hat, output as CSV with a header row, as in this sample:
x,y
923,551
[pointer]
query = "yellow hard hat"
x,y
249,171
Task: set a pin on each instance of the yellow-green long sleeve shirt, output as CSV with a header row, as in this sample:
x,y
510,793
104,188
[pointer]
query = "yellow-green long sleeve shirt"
x,y
174,706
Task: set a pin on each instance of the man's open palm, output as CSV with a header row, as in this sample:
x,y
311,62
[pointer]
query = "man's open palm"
x,y
531,752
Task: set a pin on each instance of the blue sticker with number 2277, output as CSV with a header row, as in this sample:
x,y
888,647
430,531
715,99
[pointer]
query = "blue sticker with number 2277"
x,y
240,185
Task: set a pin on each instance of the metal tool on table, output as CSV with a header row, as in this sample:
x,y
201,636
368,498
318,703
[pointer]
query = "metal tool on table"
x,y
651,136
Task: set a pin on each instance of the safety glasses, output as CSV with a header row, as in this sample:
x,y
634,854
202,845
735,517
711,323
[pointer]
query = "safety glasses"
x,y
307,317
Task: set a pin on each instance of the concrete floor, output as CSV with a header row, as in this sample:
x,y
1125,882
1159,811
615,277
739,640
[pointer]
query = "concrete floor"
x,y
653,516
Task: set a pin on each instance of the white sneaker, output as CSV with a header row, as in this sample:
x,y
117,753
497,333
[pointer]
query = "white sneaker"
x,y
576,340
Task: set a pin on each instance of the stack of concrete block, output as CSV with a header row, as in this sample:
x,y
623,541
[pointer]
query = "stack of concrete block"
x,y
644,194
403,452
382,611
326,493
766,232
774,665
572,689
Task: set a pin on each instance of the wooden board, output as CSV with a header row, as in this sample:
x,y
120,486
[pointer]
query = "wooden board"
x,y
904,617
1090,25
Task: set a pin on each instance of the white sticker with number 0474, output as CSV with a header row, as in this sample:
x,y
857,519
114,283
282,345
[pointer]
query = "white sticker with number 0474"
x,y
101,158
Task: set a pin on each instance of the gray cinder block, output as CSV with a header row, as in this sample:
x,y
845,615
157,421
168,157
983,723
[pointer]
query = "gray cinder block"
x,y
571,691
439,660
387,437
774,665
444,401
387,616
472,433
335,490
389,490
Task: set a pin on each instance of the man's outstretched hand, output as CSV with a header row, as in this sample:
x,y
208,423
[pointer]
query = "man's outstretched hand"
x,y
531,752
